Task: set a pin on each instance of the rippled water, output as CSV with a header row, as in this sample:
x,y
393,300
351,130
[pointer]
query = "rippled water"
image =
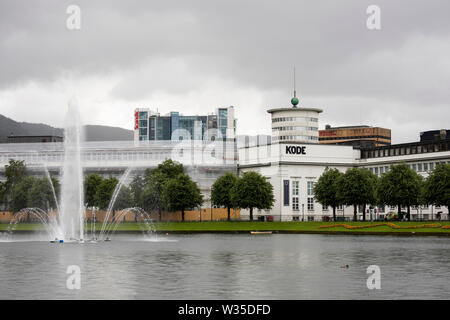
x,y
211,266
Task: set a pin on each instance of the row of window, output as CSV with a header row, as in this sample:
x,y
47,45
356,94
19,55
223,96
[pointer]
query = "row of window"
x,y
55,157
323,138
296,192
285,119
295,138
405,150
290,128
418,167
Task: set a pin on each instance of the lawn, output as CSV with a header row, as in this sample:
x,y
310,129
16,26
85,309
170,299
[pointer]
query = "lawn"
x,y
282,227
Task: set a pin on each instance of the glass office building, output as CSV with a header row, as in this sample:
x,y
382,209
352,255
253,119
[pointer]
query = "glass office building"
x,y
175,126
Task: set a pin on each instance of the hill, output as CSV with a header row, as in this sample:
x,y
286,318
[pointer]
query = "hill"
x,y
92,132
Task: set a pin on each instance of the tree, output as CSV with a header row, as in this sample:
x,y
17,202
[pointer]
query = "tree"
x,y
15,172
20,194
356,187
437,186
401,186
326,189
170,169
91,184
40,195
251,191
221,192
104,192
2,193
124,198
154,182
180,193
151,197
137,186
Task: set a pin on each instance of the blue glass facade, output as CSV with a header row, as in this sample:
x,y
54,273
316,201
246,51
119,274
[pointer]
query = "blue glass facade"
x,y
156,127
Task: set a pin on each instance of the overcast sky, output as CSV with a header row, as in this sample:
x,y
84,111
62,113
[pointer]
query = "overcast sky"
x,y
195,56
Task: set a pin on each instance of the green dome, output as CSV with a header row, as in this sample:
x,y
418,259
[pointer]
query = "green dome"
x,y
294,101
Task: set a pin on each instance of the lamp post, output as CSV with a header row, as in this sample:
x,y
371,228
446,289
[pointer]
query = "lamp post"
x,y
303,212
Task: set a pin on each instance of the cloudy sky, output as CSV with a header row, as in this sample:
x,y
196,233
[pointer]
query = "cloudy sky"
x,y
195,56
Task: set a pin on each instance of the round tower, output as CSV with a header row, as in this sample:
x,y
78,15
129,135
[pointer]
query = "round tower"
x,y
295,124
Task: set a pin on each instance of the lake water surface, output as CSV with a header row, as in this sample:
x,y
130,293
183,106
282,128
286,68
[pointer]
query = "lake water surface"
x,y
220,266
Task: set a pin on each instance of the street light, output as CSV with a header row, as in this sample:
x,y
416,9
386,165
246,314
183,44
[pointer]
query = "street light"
x,y
303,212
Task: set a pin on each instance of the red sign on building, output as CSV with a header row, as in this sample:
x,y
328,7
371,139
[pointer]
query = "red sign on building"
x,y
136,120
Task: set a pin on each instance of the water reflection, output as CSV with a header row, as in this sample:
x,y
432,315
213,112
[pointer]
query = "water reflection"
x,y
228,267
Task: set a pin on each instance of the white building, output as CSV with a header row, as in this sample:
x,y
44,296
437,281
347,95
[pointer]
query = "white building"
x,y
295,161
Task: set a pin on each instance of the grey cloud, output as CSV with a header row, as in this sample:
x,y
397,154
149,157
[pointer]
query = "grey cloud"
x,y
177,47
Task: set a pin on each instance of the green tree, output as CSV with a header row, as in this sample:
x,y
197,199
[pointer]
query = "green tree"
x,y
181,193
137,186
151,197
251,191
326,189
401,186
154,182
170,169
20,194
15,172
2,193
437,187
124,198
91,184
104,192
357,187
40,195
221,191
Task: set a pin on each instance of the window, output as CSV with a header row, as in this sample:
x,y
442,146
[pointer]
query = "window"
x,y
295,206
310,188
414,167
419,167
310,192
431,166
381,170
295,193
340,207
310,204
425,167
376,170
386,169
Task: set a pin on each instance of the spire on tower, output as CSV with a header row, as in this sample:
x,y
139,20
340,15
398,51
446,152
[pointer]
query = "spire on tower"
x,y
294,100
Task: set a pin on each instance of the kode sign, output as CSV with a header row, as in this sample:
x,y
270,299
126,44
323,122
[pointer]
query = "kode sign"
x,y
296,150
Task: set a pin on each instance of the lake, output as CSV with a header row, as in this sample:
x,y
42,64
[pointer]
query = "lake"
x,y
228,266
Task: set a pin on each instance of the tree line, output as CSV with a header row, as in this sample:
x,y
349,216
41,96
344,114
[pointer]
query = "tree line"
x,y
401,187
166,187
21,190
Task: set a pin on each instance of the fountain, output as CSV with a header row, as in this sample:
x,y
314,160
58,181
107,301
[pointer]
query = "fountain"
x,y
69,224
71,214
